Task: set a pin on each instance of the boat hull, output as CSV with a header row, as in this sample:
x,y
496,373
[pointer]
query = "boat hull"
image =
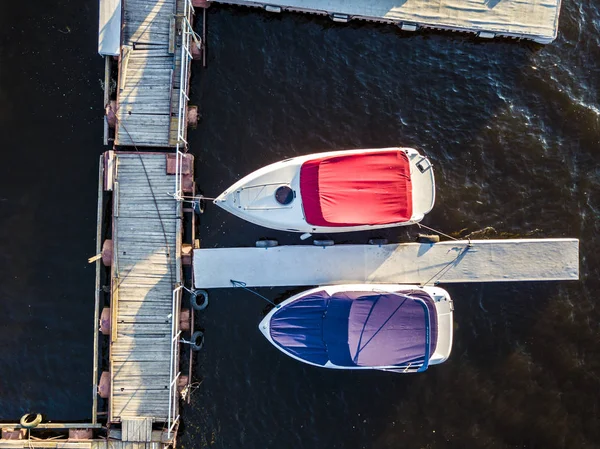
x,y
443,308
253,198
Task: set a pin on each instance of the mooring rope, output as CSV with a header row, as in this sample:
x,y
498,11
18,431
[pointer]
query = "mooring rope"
x,y
243,285
439,232
198,197
446,267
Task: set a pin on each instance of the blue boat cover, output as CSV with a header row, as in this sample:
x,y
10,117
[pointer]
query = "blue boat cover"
x,y
355,328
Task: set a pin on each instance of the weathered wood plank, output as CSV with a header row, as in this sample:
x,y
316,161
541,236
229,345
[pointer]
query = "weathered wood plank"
x,y
140,131
144,170
142,74
141,282
142,90
166,225
146,214
135,165
139,122
144,328
132,300
123,140
144,396
139,71
136,355
137,138
137,5
140,402
146,259
160,142
137,429
145,314
157,295
143,384
140,368
157,62
140,345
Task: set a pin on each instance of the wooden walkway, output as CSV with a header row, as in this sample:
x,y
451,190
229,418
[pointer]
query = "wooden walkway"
x,y
149,73
145,270
411,263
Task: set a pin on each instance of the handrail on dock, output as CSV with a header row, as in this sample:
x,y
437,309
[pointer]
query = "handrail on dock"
x,y
175,334
98,268
181,147
186,58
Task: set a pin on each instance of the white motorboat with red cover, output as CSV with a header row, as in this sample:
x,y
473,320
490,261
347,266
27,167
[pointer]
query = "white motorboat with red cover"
x,y
390,327
336,191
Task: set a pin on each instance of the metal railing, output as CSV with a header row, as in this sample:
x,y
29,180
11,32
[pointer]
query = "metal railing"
x,y
173,417
187,36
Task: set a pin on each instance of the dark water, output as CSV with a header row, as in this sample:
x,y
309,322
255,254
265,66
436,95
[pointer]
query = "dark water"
x,y
512,128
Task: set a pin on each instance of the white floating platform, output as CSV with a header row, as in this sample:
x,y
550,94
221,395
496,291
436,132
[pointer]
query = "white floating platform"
x,y
109,27
536,20
412,263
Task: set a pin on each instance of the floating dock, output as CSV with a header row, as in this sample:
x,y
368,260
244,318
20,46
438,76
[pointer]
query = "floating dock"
x,y
411,263
535,20
15,437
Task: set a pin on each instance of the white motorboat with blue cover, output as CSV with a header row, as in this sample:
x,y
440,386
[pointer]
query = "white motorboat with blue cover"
x,y
336,191
390,327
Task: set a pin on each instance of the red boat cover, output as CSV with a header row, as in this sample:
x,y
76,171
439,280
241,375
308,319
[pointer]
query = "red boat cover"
x,y
370,188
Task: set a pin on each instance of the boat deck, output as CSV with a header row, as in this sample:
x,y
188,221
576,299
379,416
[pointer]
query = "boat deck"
x,y
145,271
148,96
411,263
536,20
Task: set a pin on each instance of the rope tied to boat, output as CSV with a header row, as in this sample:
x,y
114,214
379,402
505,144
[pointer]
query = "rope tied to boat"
x,y
243,285
191,199
421,225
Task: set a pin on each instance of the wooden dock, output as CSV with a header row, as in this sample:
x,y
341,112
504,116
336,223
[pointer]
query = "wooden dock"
x,y
88,444
411,263
153,85
145,271
75,436
535,20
